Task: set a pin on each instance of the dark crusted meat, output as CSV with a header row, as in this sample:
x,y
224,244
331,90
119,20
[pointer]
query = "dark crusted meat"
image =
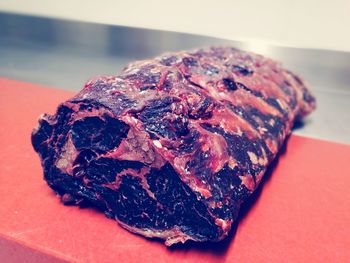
x,y
172,146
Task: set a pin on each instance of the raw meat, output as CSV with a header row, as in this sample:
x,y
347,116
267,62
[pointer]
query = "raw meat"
x,y
172,146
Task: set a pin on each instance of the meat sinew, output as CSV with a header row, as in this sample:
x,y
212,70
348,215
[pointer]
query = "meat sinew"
x,y
172,146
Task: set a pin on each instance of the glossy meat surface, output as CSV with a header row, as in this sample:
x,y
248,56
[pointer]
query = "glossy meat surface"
x,y
173,146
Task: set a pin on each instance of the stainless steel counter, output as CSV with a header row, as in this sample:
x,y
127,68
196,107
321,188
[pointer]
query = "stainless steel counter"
x,y
65,54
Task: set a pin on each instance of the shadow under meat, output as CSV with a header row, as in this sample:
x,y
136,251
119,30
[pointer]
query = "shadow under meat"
x,y
220,248
298,124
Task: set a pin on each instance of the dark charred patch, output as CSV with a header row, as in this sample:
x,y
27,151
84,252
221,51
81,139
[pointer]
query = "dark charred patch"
x,y
258,119
241,193
104,170
57,140
198,165
273,102
188,78
189,61
227,177
181,204
230,84
61,127
274,129
244,114
227,182
288,90
190,142
88,105
168,82
40,138
242,70
225,211
82,161
229,191
269,154
99,134
158,117
293,101
238,147
63,183
224,183
133,206
85,156
151,87
202,110
117,105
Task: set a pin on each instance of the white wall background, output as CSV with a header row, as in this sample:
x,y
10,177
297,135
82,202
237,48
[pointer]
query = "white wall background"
x,y
308,23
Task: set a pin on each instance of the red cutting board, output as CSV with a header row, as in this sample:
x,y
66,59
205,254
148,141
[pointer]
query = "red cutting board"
x,y
302,213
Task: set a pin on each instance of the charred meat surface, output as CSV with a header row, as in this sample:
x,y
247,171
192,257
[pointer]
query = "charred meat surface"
x,y
172,146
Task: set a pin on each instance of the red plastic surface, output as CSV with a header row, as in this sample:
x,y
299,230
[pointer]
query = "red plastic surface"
x,y
302,213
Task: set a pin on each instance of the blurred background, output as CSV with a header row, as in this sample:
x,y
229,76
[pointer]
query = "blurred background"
x,y
297,23
64,43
